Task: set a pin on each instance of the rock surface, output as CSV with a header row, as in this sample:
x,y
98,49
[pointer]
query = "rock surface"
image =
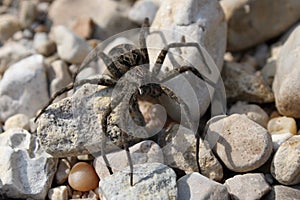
x,y
242,85
240,143
247,27
70,47
197,187
202,22
22,157
285,165
247,186
151,181
281,192
286,84
179,148
23,88
142,9
144,152
252,111
17,121
60,192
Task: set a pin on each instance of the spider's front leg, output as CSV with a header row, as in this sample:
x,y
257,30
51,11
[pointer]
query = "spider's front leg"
x,y
104,81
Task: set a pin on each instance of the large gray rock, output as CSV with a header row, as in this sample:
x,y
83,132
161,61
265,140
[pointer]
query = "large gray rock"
x,y
72,126
200,21
151,181
240,143
179,148
285,166
26,171
197,187
247,186
23,88
286,84
144,152
253,22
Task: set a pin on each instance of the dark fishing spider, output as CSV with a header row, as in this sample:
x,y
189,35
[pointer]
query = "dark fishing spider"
x,y
120,61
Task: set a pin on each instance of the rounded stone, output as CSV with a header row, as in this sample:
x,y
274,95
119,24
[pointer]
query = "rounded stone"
x,y
9,24
83,177
240,143
282,125
285,166
17,121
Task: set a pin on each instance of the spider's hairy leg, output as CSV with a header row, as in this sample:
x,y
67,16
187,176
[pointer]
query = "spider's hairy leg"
x,y
142,39
182,69
173,96
98,81
162,55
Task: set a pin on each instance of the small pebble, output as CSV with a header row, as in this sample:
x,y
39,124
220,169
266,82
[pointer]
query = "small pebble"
x,y
9,24
282,125
43,45
83,177
17,121
28,13
84,27
58,193
285,166
63,171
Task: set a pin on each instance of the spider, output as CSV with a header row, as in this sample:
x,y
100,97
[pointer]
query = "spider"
x,y
129,70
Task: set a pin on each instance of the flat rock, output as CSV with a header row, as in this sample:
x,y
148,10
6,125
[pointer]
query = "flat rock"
x,y
70,47
252,111
286,84
23,88
247,186
242,85
26,170
202,22
247,27
144,152
179,149
240,143
285,166
151,181
197,187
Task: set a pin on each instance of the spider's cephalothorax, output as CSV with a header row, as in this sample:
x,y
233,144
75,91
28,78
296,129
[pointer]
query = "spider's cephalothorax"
x,y
130,77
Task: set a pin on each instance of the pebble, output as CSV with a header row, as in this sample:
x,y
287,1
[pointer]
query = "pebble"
x,y
151,181
179,149
240,143
285,166
9,24
252,111
142,9
144,152
286,84
28,13
247,186
70,47
17,121
59,76
279,139
194,186
23,158
84,26
83,177
110,16
241,85
282,192
254,29
43,45
58,193
23,88
63,171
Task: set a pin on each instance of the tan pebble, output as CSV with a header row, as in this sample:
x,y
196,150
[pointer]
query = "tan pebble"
x,y
83,177
282,125
60,193
17,121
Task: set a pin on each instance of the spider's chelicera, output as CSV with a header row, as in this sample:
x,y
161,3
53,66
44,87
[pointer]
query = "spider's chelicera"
x,y
130,76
